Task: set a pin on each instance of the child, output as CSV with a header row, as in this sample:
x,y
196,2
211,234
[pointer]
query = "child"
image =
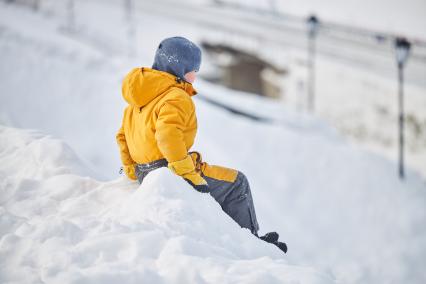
x,y
159,128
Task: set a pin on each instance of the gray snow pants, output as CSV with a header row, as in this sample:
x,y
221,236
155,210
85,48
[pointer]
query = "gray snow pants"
x,y
230,188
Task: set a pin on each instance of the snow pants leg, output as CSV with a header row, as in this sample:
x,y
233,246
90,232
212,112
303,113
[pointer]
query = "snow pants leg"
x,y
231,189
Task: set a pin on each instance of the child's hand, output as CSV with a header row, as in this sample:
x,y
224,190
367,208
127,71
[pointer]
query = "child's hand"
x,y
129,170
186,169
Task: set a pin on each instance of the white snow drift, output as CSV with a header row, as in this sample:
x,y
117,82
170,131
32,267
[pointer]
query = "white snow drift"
x,y
60,227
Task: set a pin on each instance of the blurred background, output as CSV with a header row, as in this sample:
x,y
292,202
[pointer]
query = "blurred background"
x,y
335,60
322,104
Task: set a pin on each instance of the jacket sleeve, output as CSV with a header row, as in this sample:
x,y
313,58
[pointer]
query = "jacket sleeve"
x,y
171,123
126,159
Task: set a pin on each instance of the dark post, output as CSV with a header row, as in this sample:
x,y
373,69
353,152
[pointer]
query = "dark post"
x,y
401,119
36,5
71,16
312,32
402,51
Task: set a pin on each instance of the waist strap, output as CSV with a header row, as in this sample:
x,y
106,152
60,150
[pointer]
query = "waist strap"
x,y
152,165
142,170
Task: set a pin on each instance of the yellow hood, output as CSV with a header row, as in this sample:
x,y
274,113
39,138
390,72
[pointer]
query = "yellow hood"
x,y
142,85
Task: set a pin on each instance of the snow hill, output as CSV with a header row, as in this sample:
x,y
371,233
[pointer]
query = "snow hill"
x,y
58,226
68,218
345,217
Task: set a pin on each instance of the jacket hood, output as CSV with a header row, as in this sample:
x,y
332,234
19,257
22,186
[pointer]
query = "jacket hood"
x,y
142,85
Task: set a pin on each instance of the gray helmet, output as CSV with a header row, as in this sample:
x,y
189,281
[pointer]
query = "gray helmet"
x,y
178,56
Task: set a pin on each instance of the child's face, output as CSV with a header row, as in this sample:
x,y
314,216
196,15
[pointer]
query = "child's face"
x,y
190,76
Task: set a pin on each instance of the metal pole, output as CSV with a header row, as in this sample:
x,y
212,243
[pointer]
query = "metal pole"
x,y
401,119
311,90
402,52
313,25
36,5
71,16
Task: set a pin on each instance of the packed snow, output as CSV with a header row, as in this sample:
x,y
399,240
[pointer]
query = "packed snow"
x,y
58,225
67,217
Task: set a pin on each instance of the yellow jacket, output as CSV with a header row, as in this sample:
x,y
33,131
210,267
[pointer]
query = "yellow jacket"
x,y
160,120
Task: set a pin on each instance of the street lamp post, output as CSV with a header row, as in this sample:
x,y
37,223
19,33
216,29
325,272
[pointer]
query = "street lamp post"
x,y
313,25
402,48
71,16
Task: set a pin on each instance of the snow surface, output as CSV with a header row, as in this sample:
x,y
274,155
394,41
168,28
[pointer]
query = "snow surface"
x,y
343,212
58,226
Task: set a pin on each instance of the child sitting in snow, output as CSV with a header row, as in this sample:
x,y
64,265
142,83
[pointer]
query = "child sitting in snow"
x,y
159,127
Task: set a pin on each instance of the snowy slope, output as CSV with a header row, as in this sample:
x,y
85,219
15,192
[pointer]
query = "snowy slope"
x,y
57,226
342,211
339,207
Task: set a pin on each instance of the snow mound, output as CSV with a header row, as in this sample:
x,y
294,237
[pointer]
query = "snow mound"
x,y
57,226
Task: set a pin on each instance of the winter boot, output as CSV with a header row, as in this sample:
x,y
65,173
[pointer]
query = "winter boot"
x,y
272,238
282,246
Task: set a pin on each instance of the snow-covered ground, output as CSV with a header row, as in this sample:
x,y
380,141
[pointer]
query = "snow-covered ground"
x,y
57,225
66,216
